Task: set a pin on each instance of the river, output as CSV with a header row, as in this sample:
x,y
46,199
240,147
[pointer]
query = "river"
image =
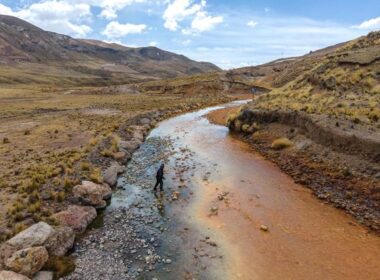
x,y
227,213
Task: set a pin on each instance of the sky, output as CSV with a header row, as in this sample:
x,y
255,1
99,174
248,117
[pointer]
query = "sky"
x,y
227,33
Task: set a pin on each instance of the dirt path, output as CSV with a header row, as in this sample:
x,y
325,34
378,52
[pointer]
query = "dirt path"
x,y
218,194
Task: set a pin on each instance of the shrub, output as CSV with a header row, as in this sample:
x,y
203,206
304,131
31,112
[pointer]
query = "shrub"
x,y
85,166
6,140
93,141
237,125
19,228
245,128
96,176
107,153
60,196
281,143
68,184
35,207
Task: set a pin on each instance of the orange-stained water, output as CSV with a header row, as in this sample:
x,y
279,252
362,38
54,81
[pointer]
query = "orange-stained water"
x,y
307,239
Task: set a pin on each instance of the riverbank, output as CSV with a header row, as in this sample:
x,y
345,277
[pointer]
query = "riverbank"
x,y
341,170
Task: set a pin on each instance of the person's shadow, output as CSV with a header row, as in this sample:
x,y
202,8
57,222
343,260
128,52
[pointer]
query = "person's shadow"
x,y
160,202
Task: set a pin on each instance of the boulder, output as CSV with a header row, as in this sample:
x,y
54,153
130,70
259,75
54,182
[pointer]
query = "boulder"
x,y
76,217
110,174
144,121
28,261
35,235
44,275
61,241
130,146
138,134
121,156
10,275
89,193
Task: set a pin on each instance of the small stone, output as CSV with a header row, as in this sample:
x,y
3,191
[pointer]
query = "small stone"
x,y
264,228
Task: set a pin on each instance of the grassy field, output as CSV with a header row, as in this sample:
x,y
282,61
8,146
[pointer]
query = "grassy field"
x,y
46,135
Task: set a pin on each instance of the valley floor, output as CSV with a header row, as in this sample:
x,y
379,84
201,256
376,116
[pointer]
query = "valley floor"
x,y
47,136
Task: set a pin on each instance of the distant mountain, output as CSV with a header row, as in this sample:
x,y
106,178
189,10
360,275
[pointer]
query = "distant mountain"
x,y
29,54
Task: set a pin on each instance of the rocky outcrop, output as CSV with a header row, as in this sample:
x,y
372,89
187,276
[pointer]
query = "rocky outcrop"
x,y
325,132
76,217
91,194
11,275
111,173
28,261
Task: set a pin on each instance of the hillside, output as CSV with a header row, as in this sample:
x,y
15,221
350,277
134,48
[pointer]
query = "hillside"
x,y
30,55
341,80
320,123
344,82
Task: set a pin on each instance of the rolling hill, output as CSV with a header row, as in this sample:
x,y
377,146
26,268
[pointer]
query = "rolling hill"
x,y
30,55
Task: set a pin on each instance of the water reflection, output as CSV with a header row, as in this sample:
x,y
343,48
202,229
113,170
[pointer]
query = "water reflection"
x,y
159,202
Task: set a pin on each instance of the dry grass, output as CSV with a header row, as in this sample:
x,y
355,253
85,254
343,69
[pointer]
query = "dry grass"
x,y
46,135
281,143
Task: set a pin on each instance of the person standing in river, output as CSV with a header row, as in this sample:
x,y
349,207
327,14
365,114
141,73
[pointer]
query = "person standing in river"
x,y
159,178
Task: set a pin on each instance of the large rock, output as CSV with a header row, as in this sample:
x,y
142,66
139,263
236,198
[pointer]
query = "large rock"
x,y
35,235
138,135
76,217
11,275
44,275
89,193
61,241
122,156
130,146
110,174
145,121
28,261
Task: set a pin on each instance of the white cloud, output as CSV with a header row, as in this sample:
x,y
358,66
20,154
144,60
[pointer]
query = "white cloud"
x,y
252,23
153,44
68,16
57,16
109,8
117,30
178,11
4,10
203,22
371,24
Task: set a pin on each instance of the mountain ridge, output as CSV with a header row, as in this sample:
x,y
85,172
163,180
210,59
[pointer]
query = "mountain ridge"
x,y
23,44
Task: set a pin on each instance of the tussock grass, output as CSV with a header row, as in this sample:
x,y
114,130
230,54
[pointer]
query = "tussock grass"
x,y
281,143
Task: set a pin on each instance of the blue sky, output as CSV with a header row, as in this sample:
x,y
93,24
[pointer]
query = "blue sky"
x,y
228,33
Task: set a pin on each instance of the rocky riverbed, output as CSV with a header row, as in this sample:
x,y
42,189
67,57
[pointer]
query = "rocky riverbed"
x,y
140,235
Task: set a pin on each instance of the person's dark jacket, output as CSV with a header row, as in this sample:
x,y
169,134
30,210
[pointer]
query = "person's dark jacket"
x,y
160,173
